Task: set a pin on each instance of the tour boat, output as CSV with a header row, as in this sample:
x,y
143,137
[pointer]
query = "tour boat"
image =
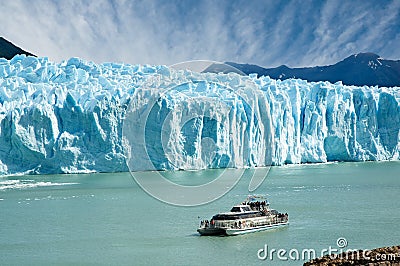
x,y
248,217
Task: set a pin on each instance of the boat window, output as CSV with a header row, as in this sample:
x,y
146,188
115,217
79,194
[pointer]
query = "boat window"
x,y
235,209
246,209
236,216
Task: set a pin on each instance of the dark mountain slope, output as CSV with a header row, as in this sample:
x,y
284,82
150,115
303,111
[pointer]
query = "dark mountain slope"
x,y
359,69
9,50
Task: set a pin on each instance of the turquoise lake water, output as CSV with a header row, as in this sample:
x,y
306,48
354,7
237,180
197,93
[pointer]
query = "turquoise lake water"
x,y
107,219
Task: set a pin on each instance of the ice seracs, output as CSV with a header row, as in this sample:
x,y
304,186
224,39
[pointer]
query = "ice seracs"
x,y
68,117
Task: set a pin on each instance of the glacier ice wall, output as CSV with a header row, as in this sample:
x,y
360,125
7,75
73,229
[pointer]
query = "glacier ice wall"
x,y
70,118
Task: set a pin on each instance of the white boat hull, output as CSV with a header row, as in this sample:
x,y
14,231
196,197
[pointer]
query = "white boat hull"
x,y
247,230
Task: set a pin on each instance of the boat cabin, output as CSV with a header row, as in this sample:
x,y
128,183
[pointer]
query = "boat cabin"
x,y
241,208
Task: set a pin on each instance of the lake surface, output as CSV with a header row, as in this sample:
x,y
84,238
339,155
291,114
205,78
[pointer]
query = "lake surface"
x,y
107,219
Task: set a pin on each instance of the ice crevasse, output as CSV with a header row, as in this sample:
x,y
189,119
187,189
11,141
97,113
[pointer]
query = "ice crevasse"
x,y
78,116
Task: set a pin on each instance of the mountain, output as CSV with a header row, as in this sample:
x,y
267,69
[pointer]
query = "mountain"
x,y
358,69
79,116
9,50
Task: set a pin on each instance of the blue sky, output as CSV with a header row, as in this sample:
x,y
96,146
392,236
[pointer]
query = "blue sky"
x,y
268,33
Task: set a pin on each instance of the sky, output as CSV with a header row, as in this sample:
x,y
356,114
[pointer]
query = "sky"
x,y
268,33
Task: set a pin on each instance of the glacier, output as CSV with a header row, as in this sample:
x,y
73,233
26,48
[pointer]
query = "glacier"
x,y
77,117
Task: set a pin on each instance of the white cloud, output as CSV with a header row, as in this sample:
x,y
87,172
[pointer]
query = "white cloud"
x,y
269,33
351,27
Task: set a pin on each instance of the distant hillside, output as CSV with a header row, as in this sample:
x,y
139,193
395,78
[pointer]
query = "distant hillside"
x,y
359,69
9,50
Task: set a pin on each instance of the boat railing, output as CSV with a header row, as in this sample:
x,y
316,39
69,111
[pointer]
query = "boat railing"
x,y
280,218
257,205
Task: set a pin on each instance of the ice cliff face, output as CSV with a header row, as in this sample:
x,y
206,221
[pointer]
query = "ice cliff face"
x,y
81,117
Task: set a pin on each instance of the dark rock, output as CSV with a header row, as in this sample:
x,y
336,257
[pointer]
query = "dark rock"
x,y
378,256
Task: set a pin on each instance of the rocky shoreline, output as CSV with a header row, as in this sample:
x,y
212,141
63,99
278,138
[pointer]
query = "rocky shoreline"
x,y
378,256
